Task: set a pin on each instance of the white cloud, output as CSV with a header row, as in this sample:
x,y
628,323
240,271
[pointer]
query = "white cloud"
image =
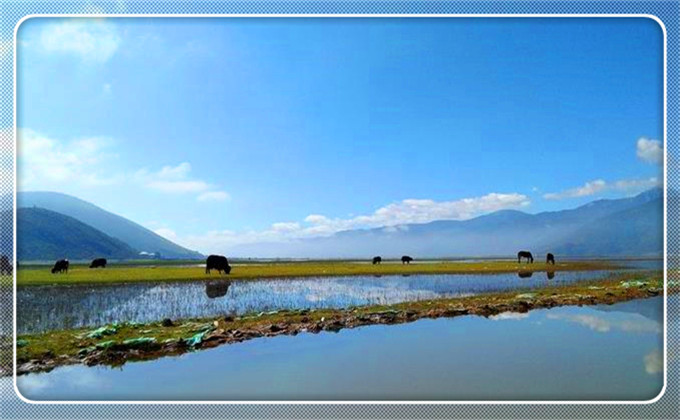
x,y
46,163
177,180
214,196
629,186
391,218
649,150
92,40
589,188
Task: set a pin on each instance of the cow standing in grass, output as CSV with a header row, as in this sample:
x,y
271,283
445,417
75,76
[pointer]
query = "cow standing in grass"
x,y
61,266
525,254
98,262
406,259
217,262
377,260
550,259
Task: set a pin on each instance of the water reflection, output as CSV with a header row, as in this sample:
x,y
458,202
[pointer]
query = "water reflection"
x,y
58,307
215,290
539,355
550,275
525,274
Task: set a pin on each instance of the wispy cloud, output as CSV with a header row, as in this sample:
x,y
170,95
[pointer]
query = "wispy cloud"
x,y
629,186
589,188
649,150
177,180
45,163
92,40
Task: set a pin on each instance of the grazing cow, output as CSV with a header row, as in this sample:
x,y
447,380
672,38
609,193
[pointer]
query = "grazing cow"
x,y
377,260
525,274
406,259
215,290
217,262
61,266
5,266
525,254
550,259
98,262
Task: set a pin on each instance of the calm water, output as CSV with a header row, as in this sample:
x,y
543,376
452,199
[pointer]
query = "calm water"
x,y
567,353
58,307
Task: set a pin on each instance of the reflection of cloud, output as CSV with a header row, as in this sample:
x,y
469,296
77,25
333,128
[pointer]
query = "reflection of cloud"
x,y
509,316
654,362
28,384
635,324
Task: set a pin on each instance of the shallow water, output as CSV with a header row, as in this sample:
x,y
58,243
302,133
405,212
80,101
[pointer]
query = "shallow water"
x,y
43,308
566,353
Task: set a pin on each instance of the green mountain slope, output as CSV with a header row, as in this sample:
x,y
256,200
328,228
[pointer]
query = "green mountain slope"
x,y
111,224
47,235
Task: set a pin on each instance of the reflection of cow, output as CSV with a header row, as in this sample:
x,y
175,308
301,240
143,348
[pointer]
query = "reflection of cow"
x,y
525,254
5,266
551,275
406,259
377,260
550,259
60,266
215,290
217,262
98,262
525,274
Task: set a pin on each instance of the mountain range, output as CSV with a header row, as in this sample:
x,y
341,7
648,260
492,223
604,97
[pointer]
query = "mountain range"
x,y
54,225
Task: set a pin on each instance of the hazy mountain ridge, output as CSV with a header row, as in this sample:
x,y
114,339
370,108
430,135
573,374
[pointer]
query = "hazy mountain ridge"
x,y
611,227
113,225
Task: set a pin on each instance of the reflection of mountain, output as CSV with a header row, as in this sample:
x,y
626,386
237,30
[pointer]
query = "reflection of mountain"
x,y
644,307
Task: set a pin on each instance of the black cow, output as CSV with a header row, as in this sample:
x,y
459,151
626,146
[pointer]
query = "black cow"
x,y
217,262
61,266
215,290
98,262
550,259
5,266
406,259
377,260
525,254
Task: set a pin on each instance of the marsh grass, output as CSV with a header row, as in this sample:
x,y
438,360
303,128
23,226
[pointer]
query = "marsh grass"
x,y
81,274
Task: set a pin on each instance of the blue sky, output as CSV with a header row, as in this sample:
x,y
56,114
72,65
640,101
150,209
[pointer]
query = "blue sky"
x,y
226,131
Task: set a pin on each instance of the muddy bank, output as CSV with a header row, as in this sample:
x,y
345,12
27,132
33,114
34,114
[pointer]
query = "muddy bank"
x,y
116,344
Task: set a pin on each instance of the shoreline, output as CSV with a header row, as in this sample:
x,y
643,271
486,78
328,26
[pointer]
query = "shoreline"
x,y
116,345
29,277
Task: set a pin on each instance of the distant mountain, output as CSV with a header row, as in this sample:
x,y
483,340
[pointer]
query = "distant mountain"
x,y
620,227
136,236
48,235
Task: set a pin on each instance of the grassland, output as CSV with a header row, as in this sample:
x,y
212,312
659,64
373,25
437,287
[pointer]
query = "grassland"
x,y
81,274
42,352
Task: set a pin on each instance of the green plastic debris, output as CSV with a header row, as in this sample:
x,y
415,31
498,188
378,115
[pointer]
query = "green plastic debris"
x,y
22,343
139,342
633,283
198,338
105,345
102,331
